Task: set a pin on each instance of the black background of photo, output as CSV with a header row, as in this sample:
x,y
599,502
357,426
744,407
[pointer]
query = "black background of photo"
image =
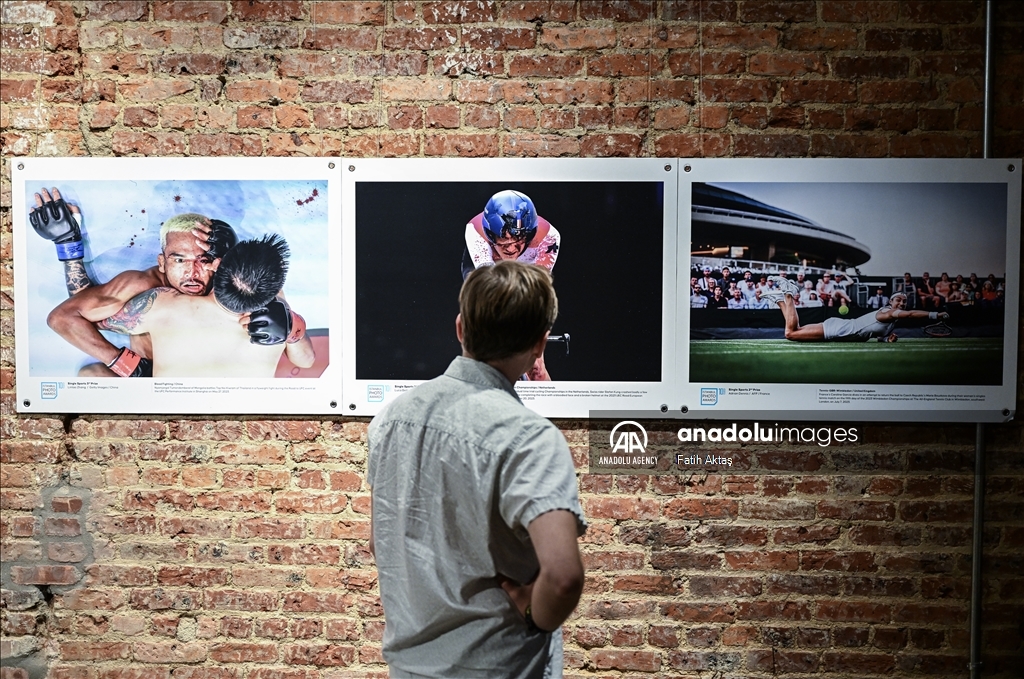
x,y
410,238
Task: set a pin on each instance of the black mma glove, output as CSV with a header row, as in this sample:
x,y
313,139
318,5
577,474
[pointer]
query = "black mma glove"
x,y
221,238
271,324
53,221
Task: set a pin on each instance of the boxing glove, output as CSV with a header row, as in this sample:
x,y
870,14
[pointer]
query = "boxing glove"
x,y
53,221
276,323
221,238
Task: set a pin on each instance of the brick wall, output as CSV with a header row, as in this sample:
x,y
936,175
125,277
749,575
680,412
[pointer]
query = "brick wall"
x,y
169,548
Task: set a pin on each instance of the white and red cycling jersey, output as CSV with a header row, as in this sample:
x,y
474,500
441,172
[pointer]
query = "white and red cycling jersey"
x,y
542,249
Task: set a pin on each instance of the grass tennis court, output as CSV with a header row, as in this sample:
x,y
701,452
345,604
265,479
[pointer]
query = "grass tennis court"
x,y
961,361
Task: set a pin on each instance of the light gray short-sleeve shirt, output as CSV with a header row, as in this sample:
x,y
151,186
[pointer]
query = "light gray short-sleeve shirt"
x,y
459,467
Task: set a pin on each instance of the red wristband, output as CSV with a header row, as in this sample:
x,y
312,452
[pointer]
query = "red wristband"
x,y
125,363
298,329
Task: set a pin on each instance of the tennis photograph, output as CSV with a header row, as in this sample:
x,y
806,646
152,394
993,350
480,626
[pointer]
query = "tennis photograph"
x,y
818,282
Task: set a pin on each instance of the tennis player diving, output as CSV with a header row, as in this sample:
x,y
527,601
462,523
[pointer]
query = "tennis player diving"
x,y
878,324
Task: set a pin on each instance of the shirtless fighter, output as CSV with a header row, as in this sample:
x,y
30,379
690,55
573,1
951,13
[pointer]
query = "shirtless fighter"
x,y
510,228
199,335
191,245
878,324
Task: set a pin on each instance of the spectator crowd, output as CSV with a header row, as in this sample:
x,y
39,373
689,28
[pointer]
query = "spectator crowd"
x,y
723,289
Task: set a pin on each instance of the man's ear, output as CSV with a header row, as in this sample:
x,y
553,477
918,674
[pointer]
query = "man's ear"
x,y
160,263
541,345
458,327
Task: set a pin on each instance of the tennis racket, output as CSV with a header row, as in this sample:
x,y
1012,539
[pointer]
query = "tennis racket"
x,y
939,329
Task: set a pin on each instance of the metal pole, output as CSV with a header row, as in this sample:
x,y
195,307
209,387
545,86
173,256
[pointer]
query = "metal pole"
x,y
978,527
987,125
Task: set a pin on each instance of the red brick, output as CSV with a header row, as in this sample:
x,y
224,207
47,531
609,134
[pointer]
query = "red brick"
x,y
850,611
640,661
97,650
189,64
45,575
461,145
365,13
871,67
715,586
458,12
539,10
702,508
267,10
545,66
820,38
262,90
772,610
420,38
455,64
617,65
949,12
192,11
488,38
356,39
121,10
782,661
225,144
317,602
244,653
739,37
568,38
698,612
790,64
150,38
611,145
838,661
860,11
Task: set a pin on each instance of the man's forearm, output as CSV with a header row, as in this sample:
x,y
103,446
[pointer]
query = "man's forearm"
x,y
301,353
553,600
82,334
75,277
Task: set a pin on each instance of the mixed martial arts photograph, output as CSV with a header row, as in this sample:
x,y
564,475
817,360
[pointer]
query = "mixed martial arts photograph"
x,y
183,279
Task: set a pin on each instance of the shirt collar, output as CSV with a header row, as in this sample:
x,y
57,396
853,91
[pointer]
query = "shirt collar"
x,y
478,372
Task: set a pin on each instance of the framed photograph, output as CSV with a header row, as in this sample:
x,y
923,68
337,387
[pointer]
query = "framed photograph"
x,y
605,228
867,289
177,285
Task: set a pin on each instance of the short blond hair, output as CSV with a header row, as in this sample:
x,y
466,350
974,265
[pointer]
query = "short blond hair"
x,y
184,222
506,309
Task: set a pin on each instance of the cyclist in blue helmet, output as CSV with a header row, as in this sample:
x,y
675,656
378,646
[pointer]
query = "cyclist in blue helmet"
x,y
510,228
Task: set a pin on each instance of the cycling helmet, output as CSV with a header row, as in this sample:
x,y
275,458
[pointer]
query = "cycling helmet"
x,y
510,213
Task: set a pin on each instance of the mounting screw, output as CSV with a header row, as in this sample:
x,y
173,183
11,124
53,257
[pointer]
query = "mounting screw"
x,y
664,408
330,165
351,406
668,168
684,409
21,166
1006,412
1011,167
27,403
351,168
334,404
686,168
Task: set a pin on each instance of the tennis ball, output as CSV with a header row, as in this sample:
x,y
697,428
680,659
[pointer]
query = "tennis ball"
x,y
843,310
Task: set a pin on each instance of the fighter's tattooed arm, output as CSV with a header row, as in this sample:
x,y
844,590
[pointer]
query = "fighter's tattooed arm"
x,y
75,276
128,320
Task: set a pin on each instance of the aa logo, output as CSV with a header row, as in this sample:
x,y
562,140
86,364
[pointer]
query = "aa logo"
x,y
628,440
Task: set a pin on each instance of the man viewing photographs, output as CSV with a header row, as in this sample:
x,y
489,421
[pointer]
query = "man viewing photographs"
x,y
475,512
